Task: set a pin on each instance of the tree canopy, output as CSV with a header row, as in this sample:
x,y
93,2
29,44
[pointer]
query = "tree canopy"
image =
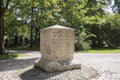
x,y
94,26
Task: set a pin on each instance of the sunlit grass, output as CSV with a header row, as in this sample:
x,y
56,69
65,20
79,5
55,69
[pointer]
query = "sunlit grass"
x,y
102,51
9,56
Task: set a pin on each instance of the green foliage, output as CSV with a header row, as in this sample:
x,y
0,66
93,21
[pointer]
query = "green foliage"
x,y
81,40
94,28
115,6
112,30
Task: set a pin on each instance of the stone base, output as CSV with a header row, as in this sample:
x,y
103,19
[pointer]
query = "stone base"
x,y
54,66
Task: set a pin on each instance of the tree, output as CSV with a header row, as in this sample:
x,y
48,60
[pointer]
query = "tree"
x,y
112,30
115,6
2,12
86,17
93,20
32,17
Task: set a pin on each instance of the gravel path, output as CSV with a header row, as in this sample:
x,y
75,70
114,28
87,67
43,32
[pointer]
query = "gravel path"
x,y
94,67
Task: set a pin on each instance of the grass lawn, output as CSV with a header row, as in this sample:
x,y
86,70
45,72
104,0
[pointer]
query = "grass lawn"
x,y
24,48
13,55
103,50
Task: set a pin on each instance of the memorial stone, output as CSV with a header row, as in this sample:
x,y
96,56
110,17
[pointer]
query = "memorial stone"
x,y
57,49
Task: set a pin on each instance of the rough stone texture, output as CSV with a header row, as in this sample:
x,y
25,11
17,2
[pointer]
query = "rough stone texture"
x,y
57,49
57,43
53,66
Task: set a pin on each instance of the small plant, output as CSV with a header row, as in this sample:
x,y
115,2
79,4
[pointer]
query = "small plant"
x,y
82,42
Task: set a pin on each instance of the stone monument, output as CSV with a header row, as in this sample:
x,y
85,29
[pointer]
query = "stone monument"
x,y
57,49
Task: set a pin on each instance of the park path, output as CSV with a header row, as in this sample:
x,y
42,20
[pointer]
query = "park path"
x,y
107,65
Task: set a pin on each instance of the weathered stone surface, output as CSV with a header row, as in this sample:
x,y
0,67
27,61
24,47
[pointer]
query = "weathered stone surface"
x,y
57,43
57,49
53,66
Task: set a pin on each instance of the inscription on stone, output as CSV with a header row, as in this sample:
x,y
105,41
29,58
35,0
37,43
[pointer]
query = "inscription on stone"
x,y
57,48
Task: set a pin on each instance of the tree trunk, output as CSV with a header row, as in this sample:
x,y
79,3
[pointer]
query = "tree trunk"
x,y
31,30
2,49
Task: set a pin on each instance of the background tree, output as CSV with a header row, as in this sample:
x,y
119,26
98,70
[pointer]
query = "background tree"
x,y
94,27
3,7
115,6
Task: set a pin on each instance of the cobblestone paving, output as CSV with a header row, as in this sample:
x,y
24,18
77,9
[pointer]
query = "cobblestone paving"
x,y
94,67
107,65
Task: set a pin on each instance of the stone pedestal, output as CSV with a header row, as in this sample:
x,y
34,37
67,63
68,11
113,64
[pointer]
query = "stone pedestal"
x,y
57,49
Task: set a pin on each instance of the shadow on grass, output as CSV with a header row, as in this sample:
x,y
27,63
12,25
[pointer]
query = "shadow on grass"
x,y
24,48
38,74
8,56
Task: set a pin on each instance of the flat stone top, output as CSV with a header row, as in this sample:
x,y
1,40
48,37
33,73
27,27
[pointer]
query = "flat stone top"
x,y
57,27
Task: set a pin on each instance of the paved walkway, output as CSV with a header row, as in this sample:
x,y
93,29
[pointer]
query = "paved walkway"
x,y
107,66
